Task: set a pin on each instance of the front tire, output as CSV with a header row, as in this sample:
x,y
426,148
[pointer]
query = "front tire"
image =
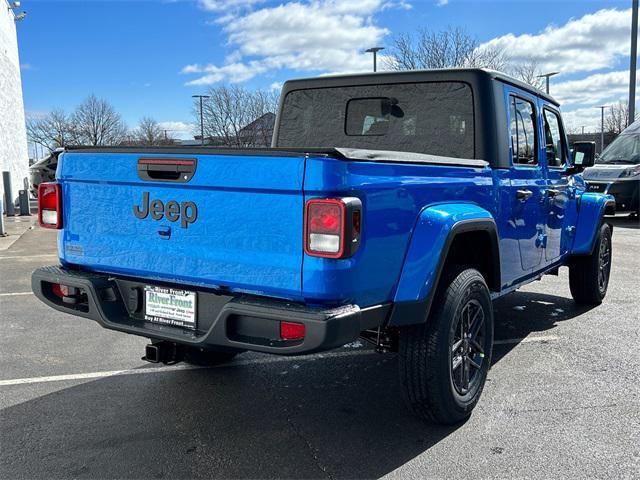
x,y
589,275
444,362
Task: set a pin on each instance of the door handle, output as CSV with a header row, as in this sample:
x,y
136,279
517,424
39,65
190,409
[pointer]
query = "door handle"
x,y
524,195
552,192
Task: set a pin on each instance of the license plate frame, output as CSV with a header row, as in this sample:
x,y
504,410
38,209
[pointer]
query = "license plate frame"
x,y
171,306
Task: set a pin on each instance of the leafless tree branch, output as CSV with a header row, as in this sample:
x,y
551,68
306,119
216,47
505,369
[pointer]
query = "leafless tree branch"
x,y
52,131
234,116
617,118
97,123
449,48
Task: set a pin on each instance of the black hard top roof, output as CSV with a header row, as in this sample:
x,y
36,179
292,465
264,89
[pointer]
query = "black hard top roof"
x,y
471,75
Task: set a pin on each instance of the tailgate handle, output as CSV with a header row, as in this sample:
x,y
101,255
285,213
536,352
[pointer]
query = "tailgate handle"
x,y
166,169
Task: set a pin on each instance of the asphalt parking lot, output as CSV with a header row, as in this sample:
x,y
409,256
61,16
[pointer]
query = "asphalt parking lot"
x,y
562,398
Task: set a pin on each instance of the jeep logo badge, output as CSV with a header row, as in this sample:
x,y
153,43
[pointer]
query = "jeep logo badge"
x,y
186,212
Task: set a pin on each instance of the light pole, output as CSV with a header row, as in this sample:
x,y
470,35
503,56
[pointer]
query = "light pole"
x,y
165,130
602,107
633,62
375,51
201,97
546,76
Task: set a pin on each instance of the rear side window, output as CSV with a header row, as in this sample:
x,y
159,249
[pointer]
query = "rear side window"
x,y
554,144
522,116
434,118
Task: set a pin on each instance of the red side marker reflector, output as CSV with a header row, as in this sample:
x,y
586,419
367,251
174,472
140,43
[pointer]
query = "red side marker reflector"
x,y
291,331
60,290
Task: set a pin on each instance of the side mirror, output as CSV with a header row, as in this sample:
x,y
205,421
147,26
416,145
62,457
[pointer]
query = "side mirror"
x,y
584,155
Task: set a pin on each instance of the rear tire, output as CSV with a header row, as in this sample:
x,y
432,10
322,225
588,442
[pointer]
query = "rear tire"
x,y
589,274
444,362
207,358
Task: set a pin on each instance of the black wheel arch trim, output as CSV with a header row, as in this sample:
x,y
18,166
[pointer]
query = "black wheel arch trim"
x,y
419,309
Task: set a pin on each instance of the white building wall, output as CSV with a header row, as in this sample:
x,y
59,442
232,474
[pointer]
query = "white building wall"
x,y
14,156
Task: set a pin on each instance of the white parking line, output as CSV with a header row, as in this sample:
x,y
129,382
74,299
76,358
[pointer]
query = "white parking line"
x,y
541,338
173,368
15,294
44,255
256,361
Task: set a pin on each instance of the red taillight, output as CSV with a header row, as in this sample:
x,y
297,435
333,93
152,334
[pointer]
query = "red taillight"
x,y
59,290
50,205
291,331
332,227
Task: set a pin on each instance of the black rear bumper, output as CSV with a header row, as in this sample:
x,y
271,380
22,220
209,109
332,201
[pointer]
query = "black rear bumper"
x,y
224,321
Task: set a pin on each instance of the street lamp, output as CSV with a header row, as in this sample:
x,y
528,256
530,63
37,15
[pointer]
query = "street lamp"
x,y
602,107
165,130
201,97
375,51
546,76
633,62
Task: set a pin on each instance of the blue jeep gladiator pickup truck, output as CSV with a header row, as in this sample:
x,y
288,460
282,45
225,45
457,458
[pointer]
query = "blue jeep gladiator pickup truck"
x,y
392,207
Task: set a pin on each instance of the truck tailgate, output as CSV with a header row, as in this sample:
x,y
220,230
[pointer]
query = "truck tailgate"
x,y
237,223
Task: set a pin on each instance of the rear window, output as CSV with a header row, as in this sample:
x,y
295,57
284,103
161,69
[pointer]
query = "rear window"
x,y
432,118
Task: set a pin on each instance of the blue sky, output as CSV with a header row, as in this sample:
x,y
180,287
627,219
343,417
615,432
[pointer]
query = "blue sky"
x,y
148,57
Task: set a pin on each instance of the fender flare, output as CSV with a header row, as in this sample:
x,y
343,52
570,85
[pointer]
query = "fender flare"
x,y
434,233
592,208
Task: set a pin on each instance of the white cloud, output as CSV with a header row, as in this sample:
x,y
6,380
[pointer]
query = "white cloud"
x,y
581,98
276,86
178,129
35,114
232,72
592,42
400,4
587,117
442,3
313,36
222,5
594,89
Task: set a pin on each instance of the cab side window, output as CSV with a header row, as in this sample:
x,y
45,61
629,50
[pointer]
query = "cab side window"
x,y
554,145
523,131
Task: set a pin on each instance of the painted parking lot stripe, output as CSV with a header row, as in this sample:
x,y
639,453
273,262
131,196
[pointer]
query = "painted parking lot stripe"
x,y
541,338
257,361
15,294
173,368
44,255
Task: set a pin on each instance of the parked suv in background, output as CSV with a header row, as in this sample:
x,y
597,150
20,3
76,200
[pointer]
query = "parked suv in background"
x,y
43,171
617,170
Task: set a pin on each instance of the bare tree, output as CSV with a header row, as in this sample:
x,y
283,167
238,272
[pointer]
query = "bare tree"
x,y
97,123
617,118
528,72
262,107
453,47
149,133
234,116
52,131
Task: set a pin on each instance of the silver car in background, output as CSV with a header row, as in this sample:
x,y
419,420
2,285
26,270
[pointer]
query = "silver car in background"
x,y
617,170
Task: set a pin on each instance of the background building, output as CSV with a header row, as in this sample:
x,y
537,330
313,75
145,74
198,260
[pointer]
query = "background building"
x,y
14,156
